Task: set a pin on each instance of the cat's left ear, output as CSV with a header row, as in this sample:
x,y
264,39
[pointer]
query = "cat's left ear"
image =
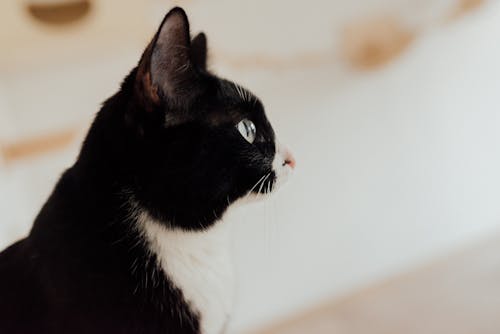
x,y
168,70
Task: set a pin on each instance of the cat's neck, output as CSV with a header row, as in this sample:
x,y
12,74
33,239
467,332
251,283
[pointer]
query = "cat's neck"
x,y
199,264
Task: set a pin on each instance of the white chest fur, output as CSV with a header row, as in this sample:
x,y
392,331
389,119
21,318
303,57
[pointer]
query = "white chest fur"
x,y
199,264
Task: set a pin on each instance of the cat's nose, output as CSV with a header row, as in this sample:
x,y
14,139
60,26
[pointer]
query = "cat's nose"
x,y
289,159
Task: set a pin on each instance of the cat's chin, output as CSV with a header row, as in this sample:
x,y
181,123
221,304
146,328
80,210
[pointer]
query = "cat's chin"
x,y
251,198
281,177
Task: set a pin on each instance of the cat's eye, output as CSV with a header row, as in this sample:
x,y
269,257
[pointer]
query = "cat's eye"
x,y
247,130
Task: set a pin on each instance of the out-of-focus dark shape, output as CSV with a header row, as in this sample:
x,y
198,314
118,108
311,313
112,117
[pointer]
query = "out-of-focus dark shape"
x,y
60,12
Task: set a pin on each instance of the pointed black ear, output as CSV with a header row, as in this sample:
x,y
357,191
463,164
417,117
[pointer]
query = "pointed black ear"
x,y
199,50
171,67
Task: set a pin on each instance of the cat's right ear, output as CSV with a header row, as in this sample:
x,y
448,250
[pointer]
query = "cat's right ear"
x,y
199,50
167,72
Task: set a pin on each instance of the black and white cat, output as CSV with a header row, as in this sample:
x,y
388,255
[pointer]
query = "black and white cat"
x,y
133,238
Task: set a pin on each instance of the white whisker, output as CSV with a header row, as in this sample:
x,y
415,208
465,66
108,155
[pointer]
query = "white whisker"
x,y
263,181
267,236
255,185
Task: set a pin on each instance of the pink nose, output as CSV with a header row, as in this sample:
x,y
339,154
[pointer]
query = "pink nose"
x,y
289,159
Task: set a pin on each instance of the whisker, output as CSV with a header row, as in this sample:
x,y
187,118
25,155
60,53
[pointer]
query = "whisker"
x,y
255,185
268,182
264,181
267,229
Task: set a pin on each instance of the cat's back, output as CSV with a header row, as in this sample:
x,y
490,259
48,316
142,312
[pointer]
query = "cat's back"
x,y
20,296
14,268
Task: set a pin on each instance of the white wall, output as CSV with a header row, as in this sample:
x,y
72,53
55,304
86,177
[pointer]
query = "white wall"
x,y
395,167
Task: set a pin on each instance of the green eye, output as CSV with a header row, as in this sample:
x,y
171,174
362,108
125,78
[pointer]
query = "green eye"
x,y
247,130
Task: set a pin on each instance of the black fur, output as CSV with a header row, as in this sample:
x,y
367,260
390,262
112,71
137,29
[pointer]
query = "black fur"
x,y
166,142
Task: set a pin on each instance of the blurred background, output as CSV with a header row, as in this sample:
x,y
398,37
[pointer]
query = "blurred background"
x,y
391,223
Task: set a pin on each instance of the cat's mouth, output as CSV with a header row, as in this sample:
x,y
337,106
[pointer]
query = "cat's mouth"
x,y
282,167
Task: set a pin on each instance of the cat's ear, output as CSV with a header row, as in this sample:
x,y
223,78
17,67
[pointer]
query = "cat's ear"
x,y
167,69
199,50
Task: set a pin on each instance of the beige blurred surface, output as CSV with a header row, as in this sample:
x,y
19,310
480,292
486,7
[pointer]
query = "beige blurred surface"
x,y
103,31
459,295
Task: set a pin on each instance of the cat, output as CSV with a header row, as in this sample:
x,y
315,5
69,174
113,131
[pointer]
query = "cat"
x,y
133,238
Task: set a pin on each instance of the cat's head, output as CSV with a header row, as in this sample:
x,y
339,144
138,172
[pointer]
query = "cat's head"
x,y
195,143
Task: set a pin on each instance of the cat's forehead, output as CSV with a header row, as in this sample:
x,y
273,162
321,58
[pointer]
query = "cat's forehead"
x,y
233,102
236,92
